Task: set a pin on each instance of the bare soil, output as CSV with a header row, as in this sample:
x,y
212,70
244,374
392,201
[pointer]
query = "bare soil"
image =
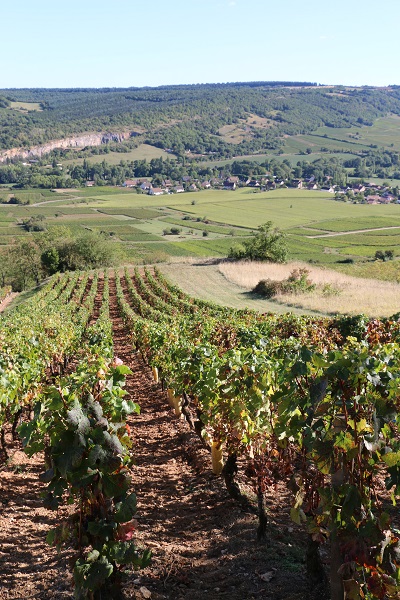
x,y
7,300
203,542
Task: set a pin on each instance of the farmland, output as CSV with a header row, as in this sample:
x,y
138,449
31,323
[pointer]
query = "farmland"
x,y
209,222
98,332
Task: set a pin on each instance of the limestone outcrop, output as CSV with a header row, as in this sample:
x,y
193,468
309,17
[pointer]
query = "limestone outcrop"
x,y
79,141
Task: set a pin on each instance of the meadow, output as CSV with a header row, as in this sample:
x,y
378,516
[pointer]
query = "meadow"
x,y
334,292
384,132
25,106
142,152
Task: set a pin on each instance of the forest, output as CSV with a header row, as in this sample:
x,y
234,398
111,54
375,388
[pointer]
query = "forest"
x,y
190,117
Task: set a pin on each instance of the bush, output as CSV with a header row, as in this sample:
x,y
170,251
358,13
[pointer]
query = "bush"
x,y
296,283
386,255
268,288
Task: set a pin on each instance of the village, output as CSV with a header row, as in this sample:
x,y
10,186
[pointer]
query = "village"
x,y
359,193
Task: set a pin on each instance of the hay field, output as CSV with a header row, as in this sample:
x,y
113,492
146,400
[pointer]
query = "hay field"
x,y
353,295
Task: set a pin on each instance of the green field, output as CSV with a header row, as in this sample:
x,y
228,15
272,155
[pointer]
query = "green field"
x,y
291,152
384,132
142,152
352,224
297,143
25,106
139,220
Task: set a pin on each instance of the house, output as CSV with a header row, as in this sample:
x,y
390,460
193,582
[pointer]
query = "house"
x,y
156,191
192,188
312,186
373,199
206,185
89,183
229,185
130,183
232,180
167,183
186,178
146,185
358,189
297,183
179,189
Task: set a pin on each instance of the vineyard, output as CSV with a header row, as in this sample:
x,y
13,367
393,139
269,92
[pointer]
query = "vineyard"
x,y
305,406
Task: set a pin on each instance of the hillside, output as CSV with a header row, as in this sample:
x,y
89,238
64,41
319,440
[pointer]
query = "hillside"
x,y
219,119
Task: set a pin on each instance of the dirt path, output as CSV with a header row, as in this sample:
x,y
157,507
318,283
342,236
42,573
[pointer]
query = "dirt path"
x,y
7,301
203,544
336,233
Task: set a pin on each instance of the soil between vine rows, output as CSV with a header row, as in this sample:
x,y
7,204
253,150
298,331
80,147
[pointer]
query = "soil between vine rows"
x,y
203,543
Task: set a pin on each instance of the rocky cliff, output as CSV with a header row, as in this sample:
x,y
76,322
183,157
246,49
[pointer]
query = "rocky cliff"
x,y
80,141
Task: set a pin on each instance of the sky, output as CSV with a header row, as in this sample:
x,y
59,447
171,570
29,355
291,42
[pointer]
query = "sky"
x,y
124,43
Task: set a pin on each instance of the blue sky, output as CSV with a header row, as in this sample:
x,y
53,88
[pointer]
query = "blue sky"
x,y
122,43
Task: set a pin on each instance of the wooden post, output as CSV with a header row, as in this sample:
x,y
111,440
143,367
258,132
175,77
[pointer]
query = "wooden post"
x,y
338,478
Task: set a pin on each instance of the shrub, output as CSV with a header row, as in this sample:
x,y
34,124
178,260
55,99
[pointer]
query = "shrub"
x,y
268,288
297,283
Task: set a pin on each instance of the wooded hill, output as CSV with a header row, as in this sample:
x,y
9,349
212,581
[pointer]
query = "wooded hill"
x,y
191,117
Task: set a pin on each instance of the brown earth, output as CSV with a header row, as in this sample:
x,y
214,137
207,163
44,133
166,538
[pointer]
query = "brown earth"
x,y
203,542
7,300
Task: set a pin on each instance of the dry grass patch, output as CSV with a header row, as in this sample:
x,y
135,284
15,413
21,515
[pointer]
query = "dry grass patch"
x,y
259,122
334,292
234,134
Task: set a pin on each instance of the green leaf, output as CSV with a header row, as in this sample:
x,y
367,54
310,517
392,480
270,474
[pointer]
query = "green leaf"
x,y
102,529
125,509
115,486
345,441
98,572
391,458
351,505
123,370
51,536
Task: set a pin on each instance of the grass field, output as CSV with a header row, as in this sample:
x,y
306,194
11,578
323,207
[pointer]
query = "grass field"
x,y
334,293
206,282
286,208
297,143
290,153
134,213
384,132
25,106
340,224
142,152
